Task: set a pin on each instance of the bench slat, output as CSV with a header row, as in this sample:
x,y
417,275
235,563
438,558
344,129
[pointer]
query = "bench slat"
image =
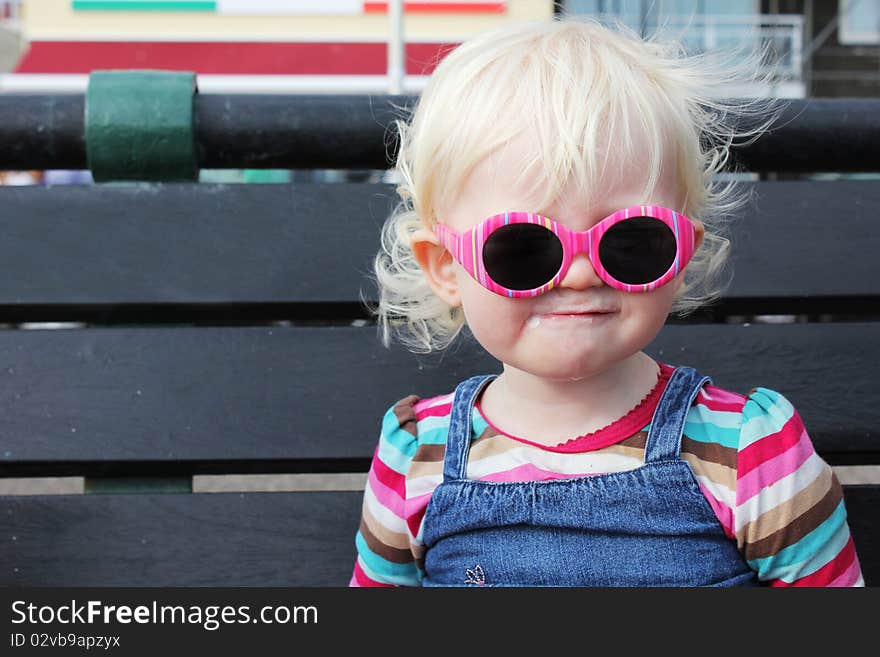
x,y
165,401
182,243
227,539
268,244
211,539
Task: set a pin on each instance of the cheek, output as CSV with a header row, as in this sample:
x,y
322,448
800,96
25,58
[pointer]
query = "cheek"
x,y
494,320
649,310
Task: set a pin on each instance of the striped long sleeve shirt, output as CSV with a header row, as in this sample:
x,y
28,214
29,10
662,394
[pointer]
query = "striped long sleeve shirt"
x,y
751,455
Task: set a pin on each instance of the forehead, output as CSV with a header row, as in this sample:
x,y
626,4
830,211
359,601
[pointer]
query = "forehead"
x,y
523,176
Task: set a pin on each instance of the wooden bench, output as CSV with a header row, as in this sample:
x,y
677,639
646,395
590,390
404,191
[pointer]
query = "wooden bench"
x,y
217,329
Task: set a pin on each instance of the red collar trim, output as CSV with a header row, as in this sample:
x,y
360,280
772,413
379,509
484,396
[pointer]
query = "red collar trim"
x,y
636,419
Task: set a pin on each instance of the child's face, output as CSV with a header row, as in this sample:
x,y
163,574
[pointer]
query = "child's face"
x,y
538,334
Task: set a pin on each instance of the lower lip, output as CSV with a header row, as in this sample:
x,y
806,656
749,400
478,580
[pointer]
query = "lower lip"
x,y
581,318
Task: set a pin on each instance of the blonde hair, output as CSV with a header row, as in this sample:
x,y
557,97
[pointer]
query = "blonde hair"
x,y
583,91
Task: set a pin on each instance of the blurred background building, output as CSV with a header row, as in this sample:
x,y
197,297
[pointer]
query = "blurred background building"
x,y
818,47
825,48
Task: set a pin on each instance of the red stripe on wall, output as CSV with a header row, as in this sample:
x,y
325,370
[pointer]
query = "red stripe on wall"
x,y
227,58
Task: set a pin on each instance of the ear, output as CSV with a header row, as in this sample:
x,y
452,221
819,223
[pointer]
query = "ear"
x,y
699,231
437,264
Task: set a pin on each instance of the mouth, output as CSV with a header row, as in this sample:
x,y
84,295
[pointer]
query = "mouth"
x,y
579,313
571,318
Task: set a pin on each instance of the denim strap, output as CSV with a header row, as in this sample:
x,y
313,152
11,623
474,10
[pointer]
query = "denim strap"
x,y
664,438
458,438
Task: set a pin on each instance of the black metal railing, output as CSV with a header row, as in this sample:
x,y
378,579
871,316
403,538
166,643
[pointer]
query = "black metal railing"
x,y
357,132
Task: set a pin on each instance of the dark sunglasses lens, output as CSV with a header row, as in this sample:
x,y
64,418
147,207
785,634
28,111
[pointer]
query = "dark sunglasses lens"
x,y
522,256
638,250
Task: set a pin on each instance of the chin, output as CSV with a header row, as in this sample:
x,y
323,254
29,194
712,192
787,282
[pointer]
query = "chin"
x,y
563,369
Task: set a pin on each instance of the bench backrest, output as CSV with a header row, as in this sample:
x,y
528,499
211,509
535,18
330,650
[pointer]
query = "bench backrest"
x,y
218,329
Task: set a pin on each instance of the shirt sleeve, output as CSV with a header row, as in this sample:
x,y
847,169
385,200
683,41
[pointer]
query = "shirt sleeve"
x,y
384,555
790,519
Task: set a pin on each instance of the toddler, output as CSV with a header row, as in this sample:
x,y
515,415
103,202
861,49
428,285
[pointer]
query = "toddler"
x,y
559,198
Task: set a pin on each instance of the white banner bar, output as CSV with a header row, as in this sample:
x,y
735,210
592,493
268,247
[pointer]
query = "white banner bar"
x,y
286,7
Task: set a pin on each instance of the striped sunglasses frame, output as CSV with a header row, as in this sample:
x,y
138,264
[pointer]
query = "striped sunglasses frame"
x,y
468,248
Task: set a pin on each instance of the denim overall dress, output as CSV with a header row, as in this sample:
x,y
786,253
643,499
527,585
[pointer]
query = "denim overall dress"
x,y
651,526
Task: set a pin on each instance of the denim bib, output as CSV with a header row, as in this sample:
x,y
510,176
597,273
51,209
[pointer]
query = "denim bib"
x,y
651,526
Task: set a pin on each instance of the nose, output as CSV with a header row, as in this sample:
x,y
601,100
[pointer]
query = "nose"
x,y
581,274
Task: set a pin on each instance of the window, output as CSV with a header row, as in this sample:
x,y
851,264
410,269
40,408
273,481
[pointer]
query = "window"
x,y
859,22
648,14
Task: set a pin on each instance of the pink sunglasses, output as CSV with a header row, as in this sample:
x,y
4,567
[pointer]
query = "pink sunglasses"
x,y
523,254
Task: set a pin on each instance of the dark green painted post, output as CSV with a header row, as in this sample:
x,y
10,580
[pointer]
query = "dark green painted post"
x,y
139,126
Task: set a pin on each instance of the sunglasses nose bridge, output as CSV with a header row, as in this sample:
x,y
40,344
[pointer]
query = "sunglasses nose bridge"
x,y
579,242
